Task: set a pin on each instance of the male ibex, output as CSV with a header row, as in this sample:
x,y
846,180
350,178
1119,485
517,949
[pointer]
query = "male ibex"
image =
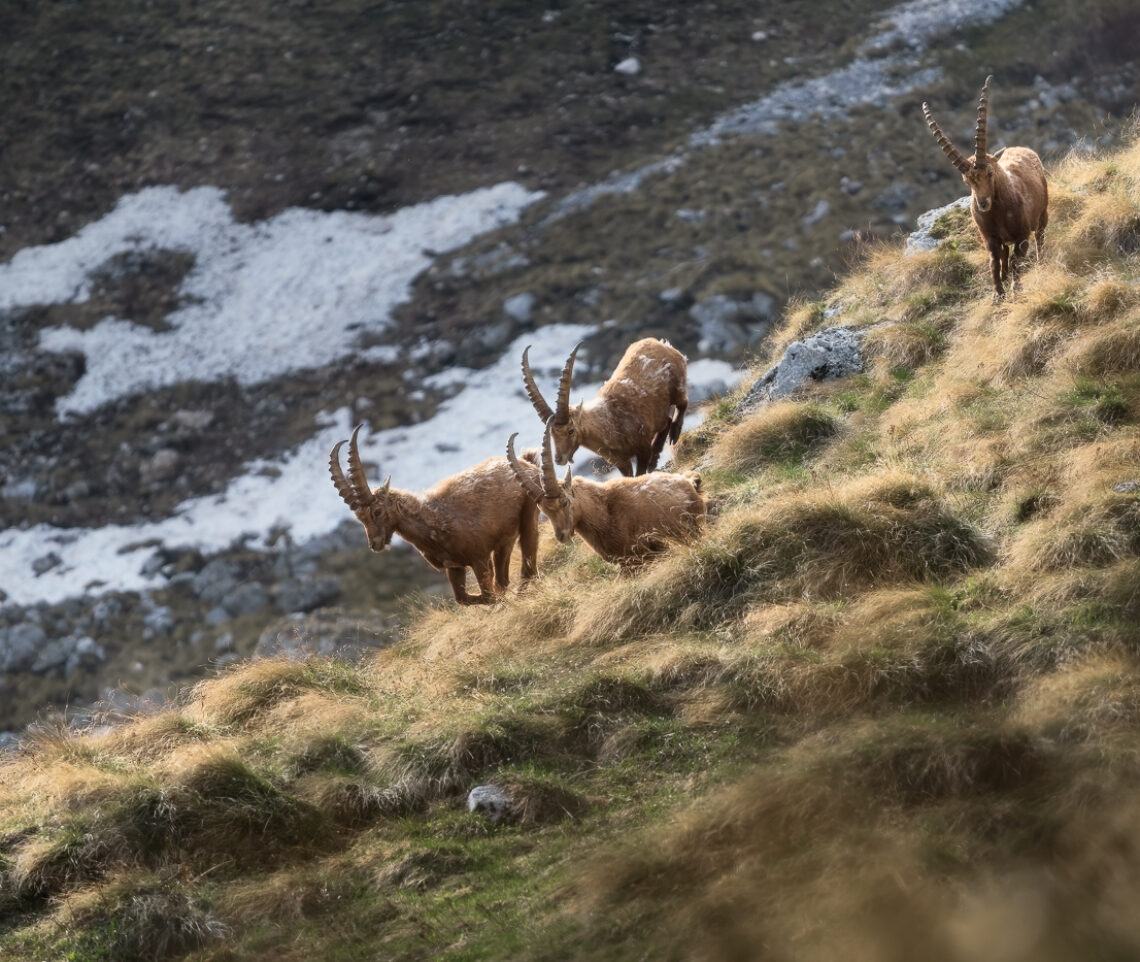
x,y
1010,198
633,413
625,520
470,520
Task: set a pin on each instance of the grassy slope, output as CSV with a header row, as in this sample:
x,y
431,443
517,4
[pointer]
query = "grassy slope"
x,y
886,706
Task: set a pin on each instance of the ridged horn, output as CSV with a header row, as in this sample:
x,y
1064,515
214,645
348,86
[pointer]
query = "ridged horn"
x,y
980,132
562,410
948,148
549,478
356,472
527,480
344,489
533,392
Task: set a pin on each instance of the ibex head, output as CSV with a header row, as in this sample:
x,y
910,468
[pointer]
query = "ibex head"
x,y
373,509
554,499
565,420
978,171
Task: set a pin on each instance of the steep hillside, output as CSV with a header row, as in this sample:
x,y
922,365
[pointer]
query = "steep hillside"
x,y
886,707
230,232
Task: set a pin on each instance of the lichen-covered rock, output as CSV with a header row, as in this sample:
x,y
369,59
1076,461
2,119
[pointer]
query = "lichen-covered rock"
x,y
833,353
930,232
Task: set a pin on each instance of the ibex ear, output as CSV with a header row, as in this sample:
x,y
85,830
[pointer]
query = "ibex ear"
x,y
387,484
566,481
997,156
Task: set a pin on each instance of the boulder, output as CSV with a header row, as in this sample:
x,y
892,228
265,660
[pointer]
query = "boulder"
x,y
927,236
20,645
832,353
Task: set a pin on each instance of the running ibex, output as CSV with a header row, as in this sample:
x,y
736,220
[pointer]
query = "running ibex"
x,y
625,520
634,412
470,520
1009,196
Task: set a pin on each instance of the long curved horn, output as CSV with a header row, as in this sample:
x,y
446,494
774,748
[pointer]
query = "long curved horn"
x,y
356,472
980,132
562,411
344,489
527,480
948,148
549,478
533,392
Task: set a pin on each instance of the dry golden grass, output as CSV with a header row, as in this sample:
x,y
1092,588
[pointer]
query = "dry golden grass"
x,y
782,431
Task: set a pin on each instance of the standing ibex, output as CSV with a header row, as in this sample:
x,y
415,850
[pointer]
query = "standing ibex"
x,y
469,520
624,520
1010,198
633,413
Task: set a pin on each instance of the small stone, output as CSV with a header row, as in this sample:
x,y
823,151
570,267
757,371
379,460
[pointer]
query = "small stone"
x,y
630,66
819,212
519,306
216,616
45,563
491,801
162,466
1127,487
19,645
247,599
296,595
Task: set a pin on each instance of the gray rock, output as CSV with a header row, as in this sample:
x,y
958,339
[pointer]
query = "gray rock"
x,y
247,599
819,212
19,646
26,489
161,466
45,563
224,643
835,352
921,239
9,742
494,337
192,420
491,801
216,616
519,306
159,621
85,653
54,654
727,324
216,580
896,197
104,610
1127,487
153,565
305,595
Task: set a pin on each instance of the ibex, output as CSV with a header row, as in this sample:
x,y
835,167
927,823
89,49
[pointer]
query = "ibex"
x,y
625,520
634,412
470,520
1009,196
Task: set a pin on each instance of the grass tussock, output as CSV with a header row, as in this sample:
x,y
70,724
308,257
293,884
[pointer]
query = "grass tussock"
x,y
784,431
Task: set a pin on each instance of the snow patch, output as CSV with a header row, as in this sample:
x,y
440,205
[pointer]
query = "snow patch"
x,y
264,299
